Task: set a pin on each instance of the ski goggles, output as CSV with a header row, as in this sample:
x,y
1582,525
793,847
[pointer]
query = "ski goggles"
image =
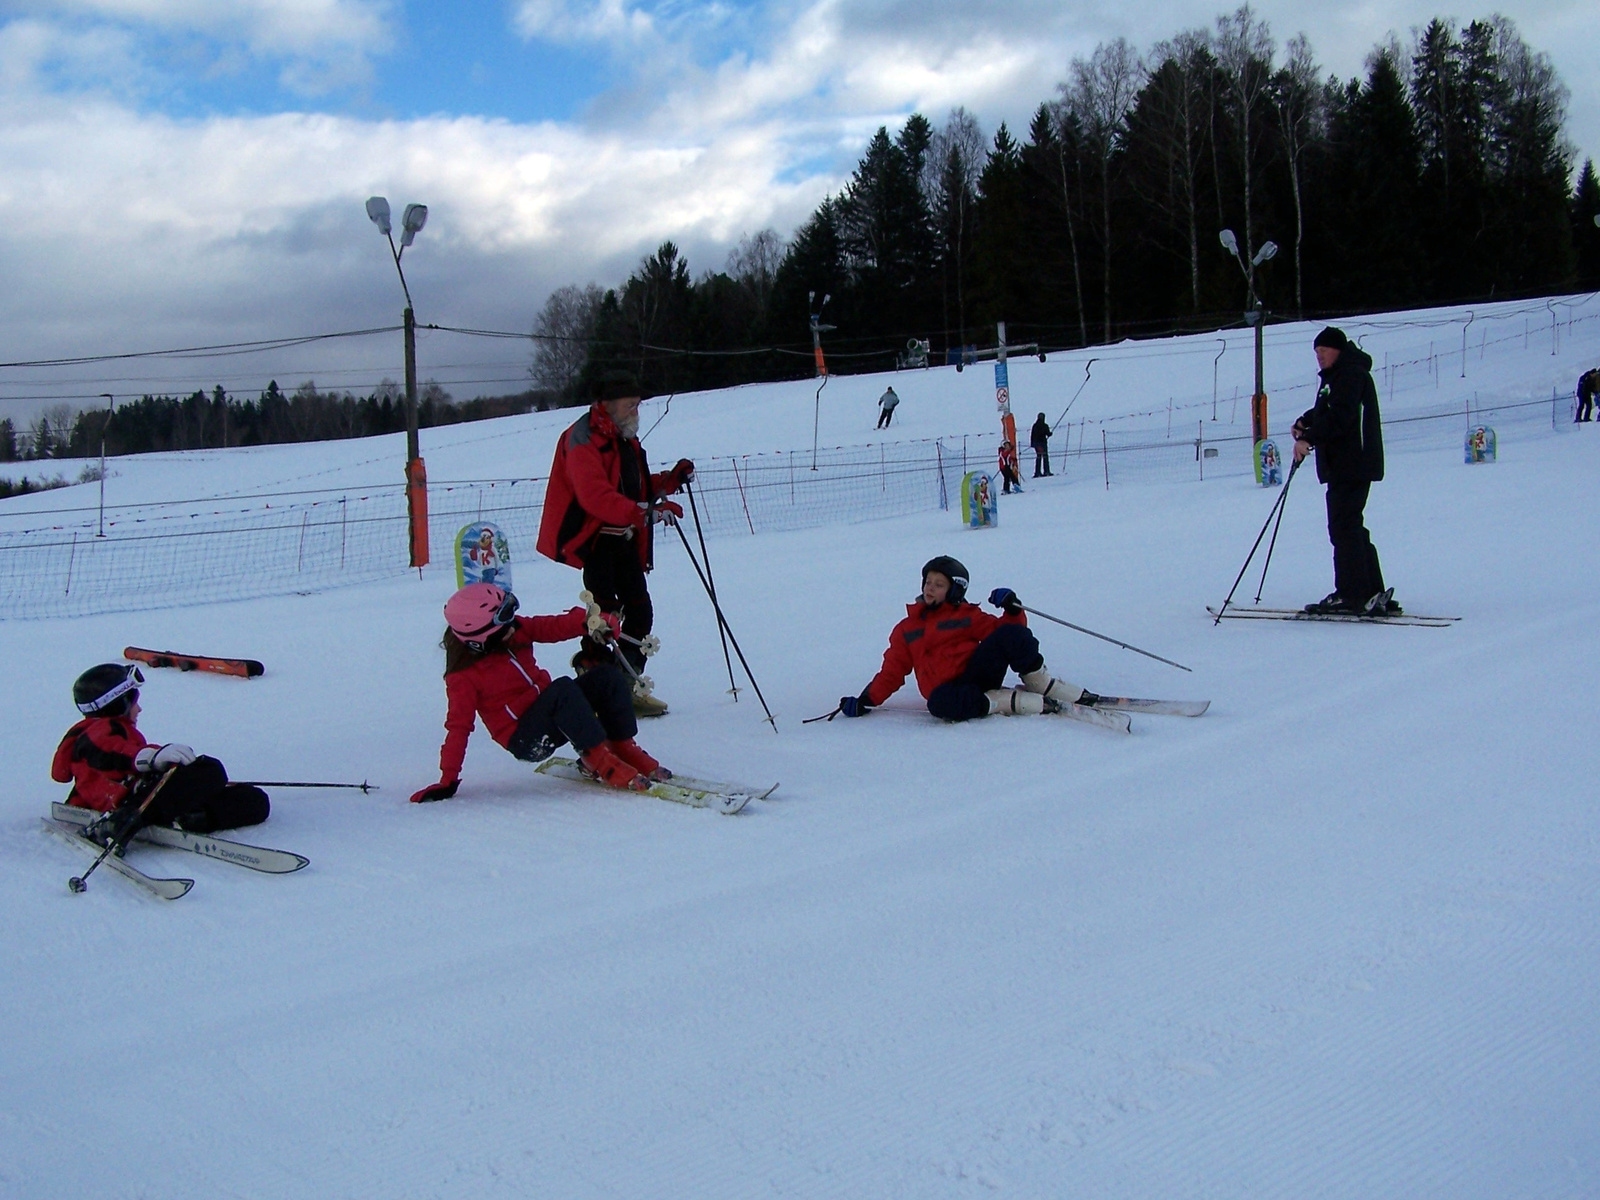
x,y
502,616
130,682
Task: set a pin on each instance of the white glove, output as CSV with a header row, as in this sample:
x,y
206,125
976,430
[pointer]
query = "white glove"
x,y
159,758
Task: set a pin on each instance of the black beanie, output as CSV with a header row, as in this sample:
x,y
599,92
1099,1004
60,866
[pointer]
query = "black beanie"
x,y
1334,337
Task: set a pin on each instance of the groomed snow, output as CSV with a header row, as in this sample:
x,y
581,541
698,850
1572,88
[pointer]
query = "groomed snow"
x,y
1339,937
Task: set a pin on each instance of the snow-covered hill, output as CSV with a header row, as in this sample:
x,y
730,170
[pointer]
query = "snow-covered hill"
x,y
1338,937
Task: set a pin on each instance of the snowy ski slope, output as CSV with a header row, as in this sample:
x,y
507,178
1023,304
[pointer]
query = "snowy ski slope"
x,y
1339,937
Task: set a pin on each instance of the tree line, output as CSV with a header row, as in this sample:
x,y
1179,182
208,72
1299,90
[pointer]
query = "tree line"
x,y
1441,175
216,419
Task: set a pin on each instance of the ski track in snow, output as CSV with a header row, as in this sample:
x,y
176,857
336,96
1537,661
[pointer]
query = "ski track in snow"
x,y
1338,937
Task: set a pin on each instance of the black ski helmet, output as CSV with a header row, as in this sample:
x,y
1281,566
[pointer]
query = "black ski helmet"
x,y
952,570
108,690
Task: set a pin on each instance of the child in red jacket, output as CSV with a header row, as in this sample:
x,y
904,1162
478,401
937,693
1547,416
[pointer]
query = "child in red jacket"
x,y
960,655
112,768
490,673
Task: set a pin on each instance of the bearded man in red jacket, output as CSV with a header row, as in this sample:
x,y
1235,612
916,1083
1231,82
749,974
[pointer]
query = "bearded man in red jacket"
x,y
600,511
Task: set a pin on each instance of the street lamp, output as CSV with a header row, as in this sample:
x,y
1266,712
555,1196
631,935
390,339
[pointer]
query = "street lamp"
x,y
411,223
1255,317
111,407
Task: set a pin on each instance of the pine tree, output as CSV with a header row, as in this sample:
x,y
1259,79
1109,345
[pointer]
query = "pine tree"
x,y
1585,235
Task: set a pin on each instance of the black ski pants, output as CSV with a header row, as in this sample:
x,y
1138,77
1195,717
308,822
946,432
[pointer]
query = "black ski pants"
x,y
1585,409
1357,576
885,417
1010,647
593,708
200,799
612,571
1041,460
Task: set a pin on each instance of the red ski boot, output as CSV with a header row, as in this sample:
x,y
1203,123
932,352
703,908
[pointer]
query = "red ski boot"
x,y
639,759
600,763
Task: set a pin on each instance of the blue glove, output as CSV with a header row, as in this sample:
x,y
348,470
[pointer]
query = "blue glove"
x,y
854,706
1004,598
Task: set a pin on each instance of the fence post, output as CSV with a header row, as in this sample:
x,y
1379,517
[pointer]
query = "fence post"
x,y
1105,458
343,516
301,556
742,501
944,495
72,555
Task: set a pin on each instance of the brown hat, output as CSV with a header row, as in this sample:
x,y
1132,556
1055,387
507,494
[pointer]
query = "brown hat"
x,y
1334,337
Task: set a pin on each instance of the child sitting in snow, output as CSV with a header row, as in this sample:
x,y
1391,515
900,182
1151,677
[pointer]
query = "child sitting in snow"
x,y
490,672
960,655
112,768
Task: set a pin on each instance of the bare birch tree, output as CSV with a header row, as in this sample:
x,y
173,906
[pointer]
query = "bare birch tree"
x,y
1101,96
562,332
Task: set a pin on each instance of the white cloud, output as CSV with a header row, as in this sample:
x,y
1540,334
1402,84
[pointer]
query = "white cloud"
x,y
566,21
321,44
269,26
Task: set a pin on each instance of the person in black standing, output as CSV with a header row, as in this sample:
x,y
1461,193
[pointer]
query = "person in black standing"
x,y
1345,429
1588,385
1039,439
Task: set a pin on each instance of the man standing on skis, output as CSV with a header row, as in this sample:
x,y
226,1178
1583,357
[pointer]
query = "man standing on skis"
x,y
960,655
600,509
1345,429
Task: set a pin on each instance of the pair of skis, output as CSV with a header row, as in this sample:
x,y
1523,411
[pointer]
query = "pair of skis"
x,y
1112,712
1299,614
68,822
726,798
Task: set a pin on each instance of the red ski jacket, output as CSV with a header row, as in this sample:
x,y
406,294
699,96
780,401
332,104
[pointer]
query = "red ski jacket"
x,y
598,479
500,686
935,643
96,757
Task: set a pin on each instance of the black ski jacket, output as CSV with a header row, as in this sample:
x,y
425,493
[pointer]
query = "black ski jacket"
x,y
1344,424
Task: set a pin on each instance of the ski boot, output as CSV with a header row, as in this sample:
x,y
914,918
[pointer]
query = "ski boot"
x,y
1020,702
640,760
600,764
645,703
1061,691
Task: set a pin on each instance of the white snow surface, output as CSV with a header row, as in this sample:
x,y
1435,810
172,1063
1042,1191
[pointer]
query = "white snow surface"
x,y
1338,937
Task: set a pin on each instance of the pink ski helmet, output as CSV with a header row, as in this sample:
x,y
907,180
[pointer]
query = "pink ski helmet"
x,y
476,611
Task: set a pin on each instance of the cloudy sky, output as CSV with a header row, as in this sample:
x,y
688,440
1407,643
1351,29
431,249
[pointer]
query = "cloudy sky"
x,y
189,172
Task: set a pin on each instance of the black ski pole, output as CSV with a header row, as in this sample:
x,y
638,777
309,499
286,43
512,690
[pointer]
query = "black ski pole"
x,y
723,621
1273,540
827,716
699,533
363,787
79,883
1276,505
1104,638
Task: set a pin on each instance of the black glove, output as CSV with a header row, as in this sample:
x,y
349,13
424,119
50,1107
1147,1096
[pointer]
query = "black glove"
x,y
683,472
855,706
1004,598
436,791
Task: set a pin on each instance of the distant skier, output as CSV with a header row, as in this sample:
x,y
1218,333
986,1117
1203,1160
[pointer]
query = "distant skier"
x,y
1588,386
1346,430
1010,473
1039,439
112,767
600,508
887,402
960,655
490,674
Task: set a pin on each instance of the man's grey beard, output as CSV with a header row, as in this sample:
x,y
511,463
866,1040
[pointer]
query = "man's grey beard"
x,y
630,427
